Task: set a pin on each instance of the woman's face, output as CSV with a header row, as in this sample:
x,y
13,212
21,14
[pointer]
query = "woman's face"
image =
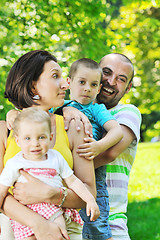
x,y
50,86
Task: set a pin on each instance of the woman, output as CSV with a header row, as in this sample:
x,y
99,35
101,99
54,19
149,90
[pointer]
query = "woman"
x,y
36,80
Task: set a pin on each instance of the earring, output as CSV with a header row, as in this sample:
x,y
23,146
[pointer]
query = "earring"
x,y
36,97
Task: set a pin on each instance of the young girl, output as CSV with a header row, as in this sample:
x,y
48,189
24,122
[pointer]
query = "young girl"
x,y
32,131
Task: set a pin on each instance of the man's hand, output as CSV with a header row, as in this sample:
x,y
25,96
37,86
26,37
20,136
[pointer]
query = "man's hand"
x,y
10,117
70,113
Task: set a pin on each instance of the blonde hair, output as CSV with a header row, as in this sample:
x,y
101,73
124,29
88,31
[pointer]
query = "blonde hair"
x,y
33,115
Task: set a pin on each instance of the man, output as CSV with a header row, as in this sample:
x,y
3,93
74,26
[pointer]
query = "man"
x,y
118,73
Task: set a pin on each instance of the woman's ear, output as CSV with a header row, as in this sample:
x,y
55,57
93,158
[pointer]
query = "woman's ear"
x,y
34,88
35,92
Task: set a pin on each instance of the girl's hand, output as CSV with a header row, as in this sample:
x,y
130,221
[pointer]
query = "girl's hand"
x,y
70,113
10,117
92,210
89,150
33,191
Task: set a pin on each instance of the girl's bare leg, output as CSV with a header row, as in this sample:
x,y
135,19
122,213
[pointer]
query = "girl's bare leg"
x,y
31,238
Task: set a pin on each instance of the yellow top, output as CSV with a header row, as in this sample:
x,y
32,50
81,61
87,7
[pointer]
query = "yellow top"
x,y
61,144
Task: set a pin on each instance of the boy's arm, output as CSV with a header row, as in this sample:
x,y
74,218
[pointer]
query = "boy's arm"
x,y
112,153
93,148
3,193
113,136
81,190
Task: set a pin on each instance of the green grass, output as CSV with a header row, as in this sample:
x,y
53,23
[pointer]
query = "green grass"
x,y
144,194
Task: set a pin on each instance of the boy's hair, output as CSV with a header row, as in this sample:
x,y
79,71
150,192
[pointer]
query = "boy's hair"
x,y
34,115
88,63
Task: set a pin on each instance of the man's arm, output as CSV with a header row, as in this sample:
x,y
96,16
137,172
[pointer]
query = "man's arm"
x,y
110,154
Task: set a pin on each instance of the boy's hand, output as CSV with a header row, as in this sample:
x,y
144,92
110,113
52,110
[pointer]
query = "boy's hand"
x,y
90,149
92,210
10,117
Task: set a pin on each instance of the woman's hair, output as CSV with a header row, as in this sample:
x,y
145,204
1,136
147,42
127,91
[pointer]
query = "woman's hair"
x,y
34,115
86,62
20,79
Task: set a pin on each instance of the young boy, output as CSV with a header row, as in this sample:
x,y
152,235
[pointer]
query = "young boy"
x,y
32,131
85,83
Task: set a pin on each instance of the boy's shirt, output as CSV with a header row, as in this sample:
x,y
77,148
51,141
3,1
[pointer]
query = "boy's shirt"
x,y
96,113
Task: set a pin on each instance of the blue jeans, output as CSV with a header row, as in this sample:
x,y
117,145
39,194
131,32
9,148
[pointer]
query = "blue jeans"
x,y
99,229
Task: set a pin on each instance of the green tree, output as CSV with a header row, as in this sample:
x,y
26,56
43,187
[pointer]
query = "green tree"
x,y
68,29
71,29
136,33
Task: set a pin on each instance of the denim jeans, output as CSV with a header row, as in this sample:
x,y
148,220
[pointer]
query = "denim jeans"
x,y
99,229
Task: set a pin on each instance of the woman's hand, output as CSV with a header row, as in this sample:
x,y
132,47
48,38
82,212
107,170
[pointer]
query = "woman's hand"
x,y
70,113
33,191
50,231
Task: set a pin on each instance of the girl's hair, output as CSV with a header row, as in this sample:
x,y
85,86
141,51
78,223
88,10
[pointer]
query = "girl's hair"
x,y
20,79
86,62
34,115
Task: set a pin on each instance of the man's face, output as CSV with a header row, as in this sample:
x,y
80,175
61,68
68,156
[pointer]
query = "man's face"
x,y
116,77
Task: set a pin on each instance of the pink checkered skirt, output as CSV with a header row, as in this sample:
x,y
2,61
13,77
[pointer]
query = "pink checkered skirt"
x,y
46,210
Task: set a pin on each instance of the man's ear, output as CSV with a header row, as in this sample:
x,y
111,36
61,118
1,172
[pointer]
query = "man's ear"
x,y
68,81
129,87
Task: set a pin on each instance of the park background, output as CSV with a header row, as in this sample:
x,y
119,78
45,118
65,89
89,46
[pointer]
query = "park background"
x,y
72,29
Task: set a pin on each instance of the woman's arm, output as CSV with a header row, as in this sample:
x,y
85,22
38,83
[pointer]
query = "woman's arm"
x,y
3,142
81,168
3,193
